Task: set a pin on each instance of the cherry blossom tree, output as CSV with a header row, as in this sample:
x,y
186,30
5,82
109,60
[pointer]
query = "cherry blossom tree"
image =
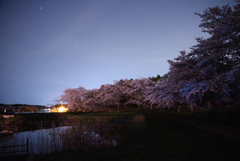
x,y
91,99
105,95
137,91
219,55
181,72
74,97
114,94
158,94
150,91
229,83
120,92
209,71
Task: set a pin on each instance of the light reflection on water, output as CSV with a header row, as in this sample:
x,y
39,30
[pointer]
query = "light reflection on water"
x,y
46,141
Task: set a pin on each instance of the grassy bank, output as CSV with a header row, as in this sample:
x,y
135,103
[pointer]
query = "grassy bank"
x,y
227,117
50,117
154,138
222,116
161,139
34,121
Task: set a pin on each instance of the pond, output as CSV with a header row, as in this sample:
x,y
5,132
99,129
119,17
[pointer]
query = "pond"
x,y
45,141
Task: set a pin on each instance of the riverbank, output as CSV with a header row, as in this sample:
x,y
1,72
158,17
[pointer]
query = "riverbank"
x,y
221,116
47,120
164,139
164,135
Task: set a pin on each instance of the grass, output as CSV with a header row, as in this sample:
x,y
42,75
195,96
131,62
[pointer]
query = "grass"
x,y
152,137
158,139
14,158
34,121
57,118
217,116
24,118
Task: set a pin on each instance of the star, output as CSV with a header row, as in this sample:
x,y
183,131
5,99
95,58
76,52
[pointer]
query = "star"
x,y
40,8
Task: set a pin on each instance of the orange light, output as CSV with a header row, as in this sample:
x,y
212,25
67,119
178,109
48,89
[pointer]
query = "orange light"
x,y
59,109
62,109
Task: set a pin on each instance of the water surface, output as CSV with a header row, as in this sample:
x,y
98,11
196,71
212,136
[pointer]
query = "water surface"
x,y
56,139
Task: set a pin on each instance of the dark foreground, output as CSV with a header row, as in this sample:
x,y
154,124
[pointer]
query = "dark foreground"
x,y
162,136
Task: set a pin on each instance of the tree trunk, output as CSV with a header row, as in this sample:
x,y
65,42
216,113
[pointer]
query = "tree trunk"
x,y
209,105
191,107
151,107
179,109
118,109
139,108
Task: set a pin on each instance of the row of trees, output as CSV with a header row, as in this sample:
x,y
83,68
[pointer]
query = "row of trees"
x,y
208,74
120,94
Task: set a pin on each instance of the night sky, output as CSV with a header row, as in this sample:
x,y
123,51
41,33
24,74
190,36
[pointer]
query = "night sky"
x,y
47,46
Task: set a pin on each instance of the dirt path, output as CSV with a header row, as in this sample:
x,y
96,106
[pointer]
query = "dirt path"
x,y
229,132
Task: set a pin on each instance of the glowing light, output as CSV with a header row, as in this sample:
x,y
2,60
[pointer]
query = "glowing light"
x,y
54,109
59,109
62,109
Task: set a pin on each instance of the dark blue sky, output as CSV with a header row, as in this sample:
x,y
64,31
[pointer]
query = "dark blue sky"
x,y
47,46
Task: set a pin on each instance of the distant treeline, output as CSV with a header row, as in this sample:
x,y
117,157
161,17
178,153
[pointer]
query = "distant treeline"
x,y
1,104
20,107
